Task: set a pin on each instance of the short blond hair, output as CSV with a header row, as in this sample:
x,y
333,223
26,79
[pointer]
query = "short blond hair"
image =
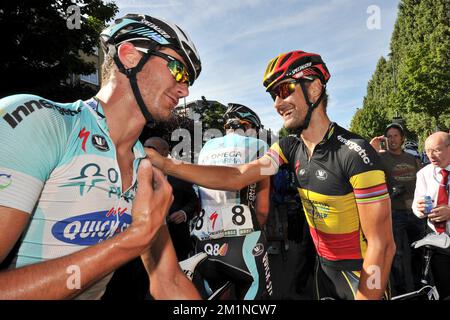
x,y
109,65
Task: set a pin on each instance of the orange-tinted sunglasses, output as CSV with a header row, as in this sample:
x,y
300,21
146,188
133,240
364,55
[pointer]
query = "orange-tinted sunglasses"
x,y
284,89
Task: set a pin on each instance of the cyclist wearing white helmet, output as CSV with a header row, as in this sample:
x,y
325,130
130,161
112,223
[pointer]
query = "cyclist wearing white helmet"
x,y
158,39
69,178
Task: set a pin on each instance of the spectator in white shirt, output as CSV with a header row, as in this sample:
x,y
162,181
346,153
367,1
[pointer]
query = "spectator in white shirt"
x,y
432,181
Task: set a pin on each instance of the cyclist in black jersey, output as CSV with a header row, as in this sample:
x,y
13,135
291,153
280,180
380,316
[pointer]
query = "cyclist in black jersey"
x,y
340,181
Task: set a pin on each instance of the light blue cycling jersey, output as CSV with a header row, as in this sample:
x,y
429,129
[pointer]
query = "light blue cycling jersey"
x,y
58,164
228,213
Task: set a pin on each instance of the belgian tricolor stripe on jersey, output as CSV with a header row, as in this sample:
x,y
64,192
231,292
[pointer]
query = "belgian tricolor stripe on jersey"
x,y
365,188
277,155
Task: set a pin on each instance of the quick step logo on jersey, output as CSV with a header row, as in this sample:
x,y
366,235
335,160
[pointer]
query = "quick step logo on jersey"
x,y
23,111
91,228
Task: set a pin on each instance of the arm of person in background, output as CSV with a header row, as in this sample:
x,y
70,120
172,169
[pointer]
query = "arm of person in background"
x,y
48,280
376,223
215,177
376,143
188,205
262,201
167,280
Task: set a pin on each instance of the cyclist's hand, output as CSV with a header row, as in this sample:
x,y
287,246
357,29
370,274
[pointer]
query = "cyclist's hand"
x,y
153,200
156,159
440,214
178,217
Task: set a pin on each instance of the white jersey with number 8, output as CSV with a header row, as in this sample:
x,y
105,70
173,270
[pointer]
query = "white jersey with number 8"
x,y
228,213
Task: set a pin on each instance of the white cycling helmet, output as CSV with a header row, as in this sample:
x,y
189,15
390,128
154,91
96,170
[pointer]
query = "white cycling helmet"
x,y
158,33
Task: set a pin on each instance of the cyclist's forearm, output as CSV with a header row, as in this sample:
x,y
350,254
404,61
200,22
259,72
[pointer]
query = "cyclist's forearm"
x,y
375,273
213,177
179,288
58,278
167,280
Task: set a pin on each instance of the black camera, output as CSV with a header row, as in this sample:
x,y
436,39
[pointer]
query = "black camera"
x,y
383,144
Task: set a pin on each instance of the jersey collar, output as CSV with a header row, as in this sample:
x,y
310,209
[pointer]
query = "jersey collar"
x,y
328,134
97,110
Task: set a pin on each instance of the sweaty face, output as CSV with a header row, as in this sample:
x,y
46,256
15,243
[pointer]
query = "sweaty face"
x,y
395,139
160,91
292,109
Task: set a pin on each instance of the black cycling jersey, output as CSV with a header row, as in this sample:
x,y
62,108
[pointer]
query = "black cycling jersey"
x,y
343,172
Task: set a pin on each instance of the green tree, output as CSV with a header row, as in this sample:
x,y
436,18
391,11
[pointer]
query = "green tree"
x,y
424,72
283,132
372,118
357,122
414,81
210,114
40,51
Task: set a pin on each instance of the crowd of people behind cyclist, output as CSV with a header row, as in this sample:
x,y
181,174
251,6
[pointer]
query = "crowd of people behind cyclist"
x,y
87,197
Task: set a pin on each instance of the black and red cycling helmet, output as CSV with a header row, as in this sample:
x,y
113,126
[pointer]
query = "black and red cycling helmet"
x,y
295,65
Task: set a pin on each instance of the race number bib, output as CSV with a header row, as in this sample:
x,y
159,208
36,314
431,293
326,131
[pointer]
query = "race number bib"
x,y
226,221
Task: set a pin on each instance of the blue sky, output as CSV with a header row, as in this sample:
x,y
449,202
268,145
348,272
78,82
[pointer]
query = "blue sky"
x,y
236,39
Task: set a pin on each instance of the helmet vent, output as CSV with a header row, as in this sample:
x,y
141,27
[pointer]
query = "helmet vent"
x,y
286,57
184,34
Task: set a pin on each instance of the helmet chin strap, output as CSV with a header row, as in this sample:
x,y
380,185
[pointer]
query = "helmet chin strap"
x,y
311,107
131,75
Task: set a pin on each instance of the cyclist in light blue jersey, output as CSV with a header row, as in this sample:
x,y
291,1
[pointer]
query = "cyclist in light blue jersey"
x,y
71,193
229,226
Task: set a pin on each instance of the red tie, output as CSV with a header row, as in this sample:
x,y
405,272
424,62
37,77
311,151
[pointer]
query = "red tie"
x,y
442,199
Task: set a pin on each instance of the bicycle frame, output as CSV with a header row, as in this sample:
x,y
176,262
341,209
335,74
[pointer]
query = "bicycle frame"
x,y
431,242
